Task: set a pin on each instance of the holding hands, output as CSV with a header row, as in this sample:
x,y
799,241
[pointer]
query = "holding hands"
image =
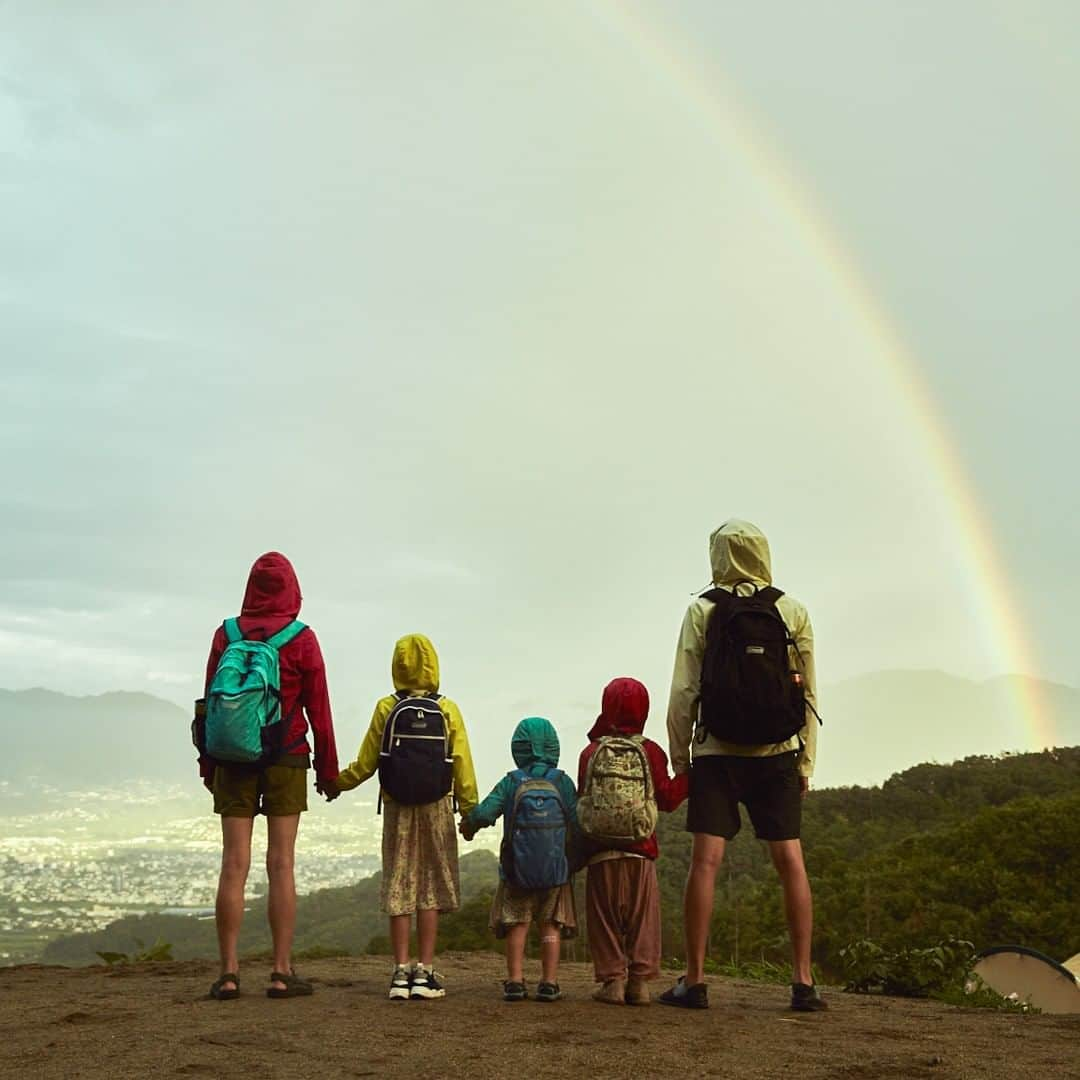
x,y
467,830
328,788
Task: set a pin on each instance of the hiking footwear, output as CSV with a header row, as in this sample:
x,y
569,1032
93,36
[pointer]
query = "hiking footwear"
x,y
400,983
548,992
514,991
637,992
613,992
426,984
218,991
294,985
686,997
806,998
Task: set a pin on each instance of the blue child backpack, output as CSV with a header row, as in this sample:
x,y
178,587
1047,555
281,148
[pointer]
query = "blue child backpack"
x,y
244,724
533,853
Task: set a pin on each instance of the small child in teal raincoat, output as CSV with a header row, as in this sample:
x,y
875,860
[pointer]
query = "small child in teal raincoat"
x,y
537,802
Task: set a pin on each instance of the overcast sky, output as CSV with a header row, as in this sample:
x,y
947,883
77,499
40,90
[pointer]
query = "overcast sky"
x,y
487,313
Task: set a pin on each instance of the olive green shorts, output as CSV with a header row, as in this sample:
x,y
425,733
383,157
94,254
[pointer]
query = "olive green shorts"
x,y
277,791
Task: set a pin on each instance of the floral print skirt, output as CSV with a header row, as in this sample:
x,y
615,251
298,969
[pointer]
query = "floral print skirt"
x,y
419,858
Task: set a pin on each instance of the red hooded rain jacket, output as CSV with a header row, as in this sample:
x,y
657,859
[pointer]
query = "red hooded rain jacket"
x,y
271,601
624,710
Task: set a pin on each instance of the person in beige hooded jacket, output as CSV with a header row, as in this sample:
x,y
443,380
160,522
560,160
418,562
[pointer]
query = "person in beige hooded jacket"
x,y
769,779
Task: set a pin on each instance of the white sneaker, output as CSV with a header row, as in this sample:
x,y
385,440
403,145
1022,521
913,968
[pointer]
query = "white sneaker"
x,y
401,983
426,984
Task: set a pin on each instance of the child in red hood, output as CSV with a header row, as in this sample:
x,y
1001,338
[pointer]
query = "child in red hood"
x,y
622,899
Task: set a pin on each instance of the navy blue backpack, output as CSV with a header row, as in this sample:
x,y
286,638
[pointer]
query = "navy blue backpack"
x,y
533,853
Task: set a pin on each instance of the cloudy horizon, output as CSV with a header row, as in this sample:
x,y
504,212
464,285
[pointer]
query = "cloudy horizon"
x,y
486,317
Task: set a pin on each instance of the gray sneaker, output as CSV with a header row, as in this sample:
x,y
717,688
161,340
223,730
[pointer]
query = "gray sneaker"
x,y
400,983
426,984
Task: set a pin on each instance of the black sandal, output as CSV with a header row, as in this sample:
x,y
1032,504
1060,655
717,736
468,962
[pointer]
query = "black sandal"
x,y
294,985
218,991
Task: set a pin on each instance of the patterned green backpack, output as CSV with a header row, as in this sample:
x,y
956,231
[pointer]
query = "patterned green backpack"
x,y
617,805
243,705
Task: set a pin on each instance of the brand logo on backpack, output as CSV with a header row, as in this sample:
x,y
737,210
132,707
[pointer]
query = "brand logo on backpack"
x,y
533,852
750,694
415,762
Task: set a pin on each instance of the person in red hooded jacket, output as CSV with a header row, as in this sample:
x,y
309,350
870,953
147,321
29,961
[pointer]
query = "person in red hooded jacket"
x,y
271,601
622,898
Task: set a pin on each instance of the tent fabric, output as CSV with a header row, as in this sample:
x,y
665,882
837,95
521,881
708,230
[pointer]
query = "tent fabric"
x,y
1026,975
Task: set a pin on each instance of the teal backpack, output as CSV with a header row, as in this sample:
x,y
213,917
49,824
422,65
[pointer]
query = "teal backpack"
x,y
243,705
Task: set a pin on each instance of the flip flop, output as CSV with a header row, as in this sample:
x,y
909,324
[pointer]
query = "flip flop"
x,y
294,985
218,991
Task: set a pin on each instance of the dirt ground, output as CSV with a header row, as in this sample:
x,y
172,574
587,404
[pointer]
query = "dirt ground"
x,y
154,1020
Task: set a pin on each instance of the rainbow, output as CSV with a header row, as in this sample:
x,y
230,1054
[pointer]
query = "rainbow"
x,y
706,89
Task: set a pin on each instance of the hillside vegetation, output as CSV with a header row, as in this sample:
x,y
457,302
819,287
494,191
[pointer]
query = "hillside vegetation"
x,y
984,849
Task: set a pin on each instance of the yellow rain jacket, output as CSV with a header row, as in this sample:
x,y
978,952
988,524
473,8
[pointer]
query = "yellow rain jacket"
x,y
415,668
739,552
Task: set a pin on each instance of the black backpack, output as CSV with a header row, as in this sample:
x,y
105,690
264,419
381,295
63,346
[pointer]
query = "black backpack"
x,y
415,765
749,693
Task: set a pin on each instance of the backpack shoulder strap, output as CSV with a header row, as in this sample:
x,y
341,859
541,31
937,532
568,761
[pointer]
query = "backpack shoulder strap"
x,y
286,634
639,746
716,596
770,594
232,630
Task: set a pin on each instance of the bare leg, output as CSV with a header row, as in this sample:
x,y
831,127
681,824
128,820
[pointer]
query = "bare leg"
x,y
427,927
787,857
550,944
281,902
229,907
400,925
705,860
515,951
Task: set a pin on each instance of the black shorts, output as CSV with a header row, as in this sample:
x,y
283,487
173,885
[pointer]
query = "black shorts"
x,y
767,786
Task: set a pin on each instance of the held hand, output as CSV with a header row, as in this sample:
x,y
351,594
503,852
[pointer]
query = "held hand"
x,y
804,786
328,788
467,831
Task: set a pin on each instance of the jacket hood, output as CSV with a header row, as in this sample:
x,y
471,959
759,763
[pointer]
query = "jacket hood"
x,y
738,552
624,709
416,664
535,742
272,589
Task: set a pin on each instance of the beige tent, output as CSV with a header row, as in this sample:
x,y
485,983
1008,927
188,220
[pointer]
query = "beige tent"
x,y
1073,965
1026,975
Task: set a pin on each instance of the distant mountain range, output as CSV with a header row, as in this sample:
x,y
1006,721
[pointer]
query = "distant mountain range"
x,y
104,739
879,724
875,725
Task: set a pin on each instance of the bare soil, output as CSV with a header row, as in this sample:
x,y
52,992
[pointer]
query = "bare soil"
x,y
155,1020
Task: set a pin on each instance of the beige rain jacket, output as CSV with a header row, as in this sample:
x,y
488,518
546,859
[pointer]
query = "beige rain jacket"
x,y
739,552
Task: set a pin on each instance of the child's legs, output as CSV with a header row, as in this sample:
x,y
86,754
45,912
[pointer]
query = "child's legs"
x,y
550,944
643,919
515,951
604,921
399,937
427,926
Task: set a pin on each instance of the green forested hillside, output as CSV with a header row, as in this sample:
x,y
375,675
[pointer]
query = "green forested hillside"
x,y
986,849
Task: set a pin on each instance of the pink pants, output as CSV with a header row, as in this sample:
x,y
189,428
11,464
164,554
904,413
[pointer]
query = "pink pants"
x,y
622,909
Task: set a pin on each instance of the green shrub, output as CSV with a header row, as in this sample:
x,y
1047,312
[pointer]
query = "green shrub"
x,y
907,972
159,952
